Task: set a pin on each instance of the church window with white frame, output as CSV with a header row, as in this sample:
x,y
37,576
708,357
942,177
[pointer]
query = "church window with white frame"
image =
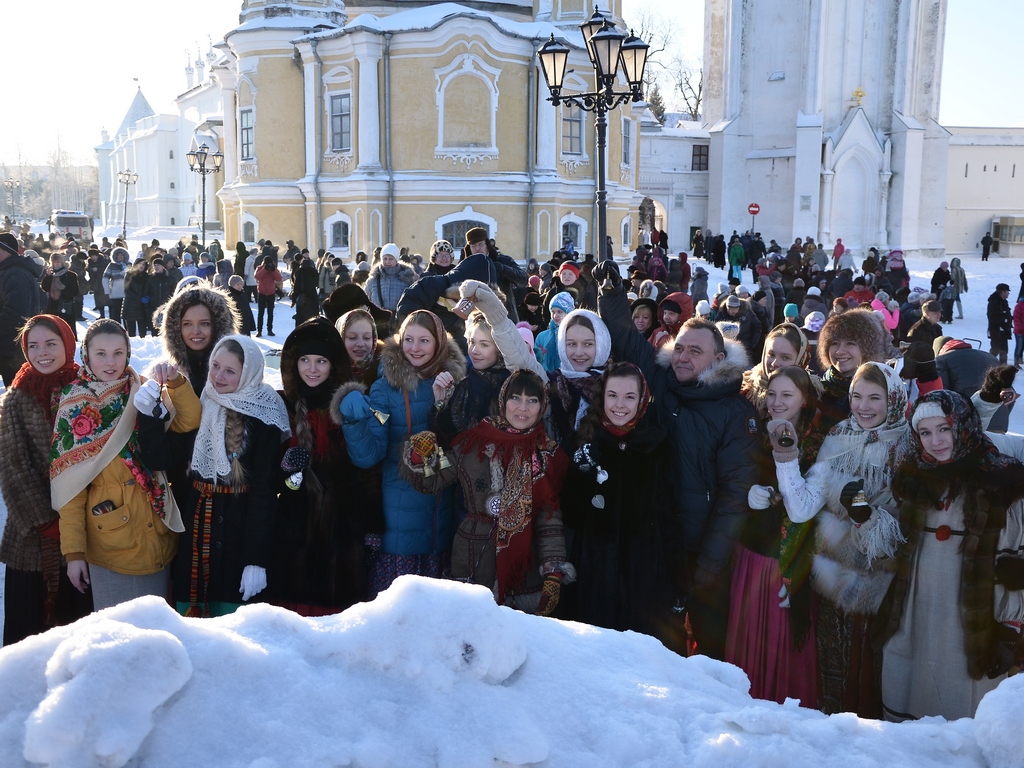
x,y
627,141
341,122
247,134
572,130
339,235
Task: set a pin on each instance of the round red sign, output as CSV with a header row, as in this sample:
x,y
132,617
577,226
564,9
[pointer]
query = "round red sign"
x,y
753,209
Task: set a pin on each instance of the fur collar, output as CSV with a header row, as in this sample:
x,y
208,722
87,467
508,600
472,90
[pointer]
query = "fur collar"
x,y
726,372
226,321
402,376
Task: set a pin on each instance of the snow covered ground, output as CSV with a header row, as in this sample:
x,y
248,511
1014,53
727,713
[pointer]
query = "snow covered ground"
x,y
433,673
430,674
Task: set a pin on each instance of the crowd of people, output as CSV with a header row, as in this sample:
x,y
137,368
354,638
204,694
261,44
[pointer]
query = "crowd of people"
x,y
796,475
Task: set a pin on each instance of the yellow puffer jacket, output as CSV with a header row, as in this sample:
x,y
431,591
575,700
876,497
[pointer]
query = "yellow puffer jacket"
x,y
131,539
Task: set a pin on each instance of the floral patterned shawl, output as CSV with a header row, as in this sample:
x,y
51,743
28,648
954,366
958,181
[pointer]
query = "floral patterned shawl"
x,y
96,424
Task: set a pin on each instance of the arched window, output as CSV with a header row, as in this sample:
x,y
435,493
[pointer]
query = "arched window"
x,y
337,232
571,231
454,226
248,232
455,231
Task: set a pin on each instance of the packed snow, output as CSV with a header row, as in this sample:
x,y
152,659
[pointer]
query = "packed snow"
x,y
435,674
431,673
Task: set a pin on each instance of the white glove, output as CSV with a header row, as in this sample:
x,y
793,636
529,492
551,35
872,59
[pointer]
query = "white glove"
x,y
147,400
759,497
254,581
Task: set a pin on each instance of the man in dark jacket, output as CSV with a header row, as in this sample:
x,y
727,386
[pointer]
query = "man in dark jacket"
x,y
95,268
19,300
1000,322
962,367
750,334
509,274
713,440
440,294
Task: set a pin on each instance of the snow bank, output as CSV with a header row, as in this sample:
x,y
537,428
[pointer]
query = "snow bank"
x,y
432,673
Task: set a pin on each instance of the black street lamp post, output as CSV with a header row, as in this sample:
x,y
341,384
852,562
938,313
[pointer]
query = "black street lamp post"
x,y
197,162
127,178
609,50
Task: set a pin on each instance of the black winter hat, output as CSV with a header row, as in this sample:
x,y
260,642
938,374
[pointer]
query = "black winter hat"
x,y
315,336
351,296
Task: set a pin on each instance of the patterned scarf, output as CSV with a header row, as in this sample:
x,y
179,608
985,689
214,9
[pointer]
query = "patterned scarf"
x,y
835,385
437,362
518,462
850,449
359,367
45,387
91,414
974,454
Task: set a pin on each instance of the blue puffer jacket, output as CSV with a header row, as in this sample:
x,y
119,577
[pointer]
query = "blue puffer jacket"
x,y
414,523
546,348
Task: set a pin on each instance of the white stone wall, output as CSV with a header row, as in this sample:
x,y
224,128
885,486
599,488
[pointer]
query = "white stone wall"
x,y
985,179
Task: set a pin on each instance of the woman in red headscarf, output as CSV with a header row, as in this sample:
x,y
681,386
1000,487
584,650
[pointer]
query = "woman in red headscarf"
x,y
38,594
511,539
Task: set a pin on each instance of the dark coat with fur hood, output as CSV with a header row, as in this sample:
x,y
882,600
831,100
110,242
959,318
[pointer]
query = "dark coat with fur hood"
x,y
319,562
712,439
415,523
195,365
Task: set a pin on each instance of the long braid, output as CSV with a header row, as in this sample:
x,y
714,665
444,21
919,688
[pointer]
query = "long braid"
x,y
304,438
234,439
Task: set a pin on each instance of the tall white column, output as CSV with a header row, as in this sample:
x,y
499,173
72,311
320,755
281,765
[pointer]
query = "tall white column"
x,y
546,127
825,212
882,238
368,51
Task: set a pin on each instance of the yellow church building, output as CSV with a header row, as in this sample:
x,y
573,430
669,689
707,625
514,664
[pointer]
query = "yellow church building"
x,y
349,125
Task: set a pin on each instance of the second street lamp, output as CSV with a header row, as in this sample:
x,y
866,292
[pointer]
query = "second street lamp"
x,y
197,160
127,178
609,51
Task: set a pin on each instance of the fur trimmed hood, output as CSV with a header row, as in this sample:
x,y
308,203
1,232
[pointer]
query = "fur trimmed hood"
x,y
402,376
339,395
226,320
726,372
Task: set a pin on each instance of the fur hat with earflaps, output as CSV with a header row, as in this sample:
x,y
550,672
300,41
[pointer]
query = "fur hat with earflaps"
x,y
861,328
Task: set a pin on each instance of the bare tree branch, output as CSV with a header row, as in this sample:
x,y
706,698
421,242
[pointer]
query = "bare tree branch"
x,y
689,84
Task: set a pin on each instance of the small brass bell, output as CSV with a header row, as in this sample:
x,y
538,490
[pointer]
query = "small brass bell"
x,y
442,460
380,416
861,499
294,481
427,471
786,439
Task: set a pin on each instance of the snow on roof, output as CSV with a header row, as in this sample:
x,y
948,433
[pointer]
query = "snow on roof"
x,y
429,17
138,110
430,673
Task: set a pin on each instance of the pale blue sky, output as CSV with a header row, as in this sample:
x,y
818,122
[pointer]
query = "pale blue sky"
x,y
69,64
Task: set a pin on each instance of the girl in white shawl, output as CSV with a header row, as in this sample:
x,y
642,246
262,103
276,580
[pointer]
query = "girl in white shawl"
x,y
229,518
848,488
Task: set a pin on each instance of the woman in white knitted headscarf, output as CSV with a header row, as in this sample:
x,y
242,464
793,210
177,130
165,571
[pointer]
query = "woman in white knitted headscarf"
x,y
229,517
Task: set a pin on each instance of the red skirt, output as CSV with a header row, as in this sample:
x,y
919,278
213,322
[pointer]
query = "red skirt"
x,y
760,640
